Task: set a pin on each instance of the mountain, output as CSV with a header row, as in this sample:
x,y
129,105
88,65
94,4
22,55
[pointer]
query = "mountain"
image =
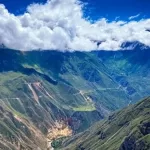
x,y
46,91
128,129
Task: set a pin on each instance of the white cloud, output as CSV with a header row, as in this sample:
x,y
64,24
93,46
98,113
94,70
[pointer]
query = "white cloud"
x,y
133,17
59,25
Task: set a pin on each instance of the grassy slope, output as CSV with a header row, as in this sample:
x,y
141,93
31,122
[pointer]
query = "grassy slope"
x,y
124,130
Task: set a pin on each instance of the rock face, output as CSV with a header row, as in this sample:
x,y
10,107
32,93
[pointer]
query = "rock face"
x,y
128,144
145,128
127,129
133,143
39,88
57,131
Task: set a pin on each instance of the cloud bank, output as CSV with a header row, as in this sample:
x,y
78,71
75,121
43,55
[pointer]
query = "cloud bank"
x,y
60,25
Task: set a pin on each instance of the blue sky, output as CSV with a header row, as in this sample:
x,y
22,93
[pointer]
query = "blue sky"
x,y
119,8
96,9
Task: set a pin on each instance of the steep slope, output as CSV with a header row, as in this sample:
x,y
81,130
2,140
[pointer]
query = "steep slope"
x,y
128,129
39,88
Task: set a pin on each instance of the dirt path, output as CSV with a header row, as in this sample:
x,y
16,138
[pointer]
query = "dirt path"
x,y
33,92
81,92
39,86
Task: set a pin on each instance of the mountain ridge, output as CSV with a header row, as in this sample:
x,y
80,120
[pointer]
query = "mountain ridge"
x,y
127,129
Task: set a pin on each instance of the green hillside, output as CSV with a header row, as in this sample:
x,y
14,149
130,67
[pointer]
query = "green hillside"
x,y
38,88
128,129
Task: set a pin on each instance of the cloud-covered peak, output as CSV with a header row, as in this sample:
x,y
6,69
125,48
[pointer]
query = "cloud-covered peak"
x,y
60,25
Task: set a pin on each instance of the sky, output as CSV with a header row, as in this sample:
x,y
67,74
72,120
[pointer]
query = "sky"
x,y
73,25
123,9
110,9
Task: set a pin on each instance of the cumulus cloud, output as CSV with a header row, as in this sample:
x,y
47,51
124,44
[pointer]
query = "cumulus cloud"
x,y
60,25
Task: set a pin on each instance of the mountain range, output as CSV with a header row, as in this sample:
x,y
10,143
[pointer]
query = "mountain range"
x,y
45,91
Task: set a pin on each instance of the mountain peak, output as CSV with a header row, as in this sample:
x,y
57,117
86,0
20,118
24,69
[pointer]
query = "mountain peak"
x,y
134,46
